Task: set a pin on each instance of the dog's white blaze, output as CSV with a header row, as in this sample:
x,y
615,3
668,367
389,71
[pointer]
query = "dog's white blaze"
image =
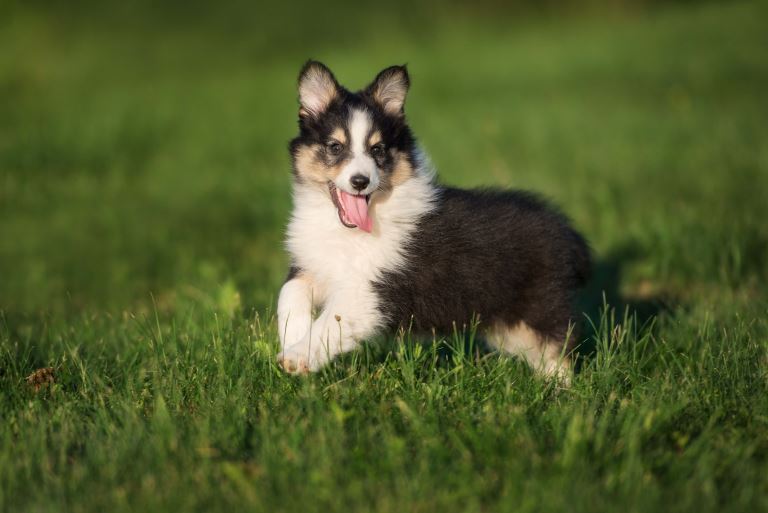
x,y
343,262
359,127
360,124
520,340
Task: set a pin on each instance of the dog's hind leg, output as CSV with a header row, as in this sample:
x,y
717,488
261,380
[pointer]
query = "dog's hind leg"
x,y
545,355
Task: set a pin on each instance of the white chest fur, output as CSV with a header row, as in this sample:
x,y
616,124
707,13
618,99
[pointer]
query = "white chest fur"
x,y
339,258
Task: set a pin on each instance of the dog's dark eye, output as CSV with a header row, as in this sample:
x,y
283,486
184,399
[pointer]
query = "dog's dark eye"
x,y
334,147
377,150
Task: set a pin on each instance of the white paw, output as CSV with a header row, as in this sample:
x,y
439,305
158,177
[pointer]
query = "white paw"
x,y
293,363
559,370
298,359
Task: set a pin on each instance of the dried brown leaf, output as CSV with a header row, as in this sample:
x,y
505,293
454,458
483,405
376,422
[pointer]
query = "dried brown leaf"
x,y
41,378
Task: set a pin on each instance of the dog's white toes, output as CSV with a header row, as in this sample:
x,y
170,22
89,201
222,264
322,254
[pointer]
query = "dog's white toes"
x,y
293,363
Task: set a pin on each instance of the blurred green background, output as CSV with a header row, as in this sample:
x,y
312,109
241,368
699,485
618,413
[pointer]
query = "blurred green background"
x,y
144,190
143,146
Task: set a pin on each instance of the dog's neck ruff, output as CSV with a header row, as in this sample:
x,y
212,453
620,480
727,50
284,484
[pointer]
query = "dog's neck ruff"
x,y
330,251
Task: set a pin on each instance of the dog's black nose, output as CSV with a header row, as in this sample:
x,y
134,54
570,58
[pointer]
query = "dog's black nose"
x,y
360,182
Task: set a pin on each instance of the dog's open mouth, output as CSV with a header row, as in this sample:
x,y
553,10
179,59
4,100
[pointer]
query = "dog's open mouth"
x,y
352,208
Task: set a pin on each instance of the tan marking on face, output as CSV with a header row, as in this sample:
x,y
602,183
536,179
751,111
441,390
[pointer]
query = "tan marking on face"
x,y
339,135
402,172
375,138
311,167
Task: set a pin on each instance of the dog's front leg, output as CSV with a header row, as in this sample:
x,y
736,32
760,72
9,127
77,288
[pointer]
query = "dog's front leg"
x,y
348,317
294,309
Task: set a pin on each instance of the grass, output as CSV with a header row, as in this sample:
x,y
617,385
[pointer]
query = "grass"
x,y
144,186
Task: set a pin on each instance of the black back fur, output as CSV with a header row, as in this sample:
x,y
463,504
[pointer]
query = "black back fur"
x,y
502,256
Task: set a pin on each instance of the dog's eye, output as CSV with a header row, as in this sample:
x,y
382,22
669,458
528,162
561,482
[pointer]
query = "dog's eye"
x,y
377,150
334,147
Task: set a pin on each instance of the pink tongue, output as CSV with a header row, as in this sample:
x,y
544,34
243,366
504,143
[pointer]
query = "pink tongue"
x,y
357,210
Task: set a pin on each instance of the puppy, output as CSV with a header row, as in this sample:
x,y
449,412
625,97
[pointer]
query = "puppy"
x,y
377,244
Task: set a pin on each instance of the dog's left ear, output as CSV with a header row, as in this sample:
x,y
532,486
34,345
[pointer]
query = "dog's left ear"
x,y
389,88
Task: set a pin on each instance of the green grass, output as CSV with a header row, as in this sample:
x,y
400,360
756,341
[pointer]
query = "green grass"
x,y
144,186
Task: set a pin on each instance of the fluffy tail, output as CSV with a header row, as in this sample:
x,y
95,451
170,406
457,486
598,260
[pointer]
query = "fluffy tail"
x,y
582,260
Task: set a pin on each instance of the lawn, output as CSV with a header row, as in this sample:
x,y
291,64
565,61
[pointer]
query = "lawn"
x,y
145,184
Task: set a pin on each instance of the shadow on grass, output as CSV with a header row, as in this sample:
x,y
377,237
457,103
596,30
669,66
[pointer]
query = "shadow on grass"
x,y
603,291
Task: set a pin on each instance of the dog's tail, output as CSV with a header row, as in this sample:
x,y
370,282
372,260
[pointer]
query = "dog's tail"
x,y
581,256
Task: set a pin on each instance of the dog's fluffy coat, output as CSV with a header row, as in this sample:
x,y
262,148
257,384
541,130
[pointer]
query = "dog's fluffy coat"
x,y
377,244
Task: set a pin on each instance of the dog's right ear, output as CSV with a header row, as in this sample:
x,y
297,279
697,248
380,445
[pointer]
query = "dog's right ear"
x,y
317,89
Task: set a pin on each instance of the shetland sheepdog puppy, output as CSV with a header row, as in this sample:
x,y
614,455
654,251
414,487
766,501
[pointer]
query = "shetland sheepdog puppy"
x,y
377,244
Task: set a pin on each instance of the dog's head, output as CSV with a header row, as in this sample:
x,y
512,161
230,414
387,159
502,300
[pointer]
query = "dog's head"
x,y
354,145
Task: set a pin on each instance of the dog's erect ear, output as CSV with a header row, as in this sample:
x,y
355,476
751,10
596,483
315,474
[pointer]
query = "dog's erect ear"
x,y
389,88
317,89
